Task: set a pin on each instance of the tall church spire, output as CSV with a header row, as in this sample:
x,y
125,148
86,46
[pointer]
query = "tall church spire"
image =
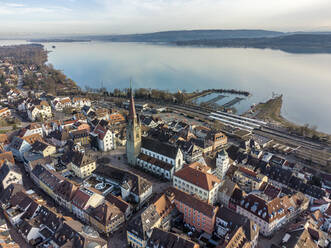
x,y
132,109
133,133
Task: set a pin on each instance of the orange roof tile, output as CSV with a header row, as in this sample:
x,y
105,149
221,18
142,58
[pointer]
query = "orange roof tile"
x,y
197,174
32,138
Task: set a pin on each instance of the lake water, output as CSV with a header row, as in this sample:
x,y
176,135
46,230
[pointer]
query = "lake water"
x,y
303,79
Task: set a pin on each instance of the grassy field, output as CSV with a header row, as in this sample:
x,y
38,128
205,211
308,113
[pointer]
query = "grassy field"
x,y
270,110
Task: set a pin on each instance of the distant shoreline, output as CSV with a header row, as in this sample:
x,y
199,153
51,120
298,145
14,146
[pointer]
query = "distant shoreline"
x,y
58,40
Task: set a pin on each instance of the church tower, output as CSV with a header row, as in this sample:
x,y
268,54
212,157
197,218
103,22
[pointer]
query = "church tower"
x,y
133,133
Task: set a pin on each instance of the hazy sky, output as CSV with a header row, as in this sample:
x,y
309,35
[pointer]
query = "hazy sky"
x,y
136,16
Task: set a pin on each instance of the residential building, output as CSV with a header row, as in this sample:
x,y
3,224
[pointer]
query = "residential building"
x,y
164,206
248,179
304,234
81,137
47,180
197,213
33,138
80,125
139,229
42,111
5,112
59,138
28,230
125,207
134,188
116,118
106,218
74,234
18,147
195,179
161,238
33,128
225,191
234,230
105,138
64,193
191,152
219,139
6,240
9,173
79,102
6,156
271,215
43,148
82,164
82,200
219,163
60,103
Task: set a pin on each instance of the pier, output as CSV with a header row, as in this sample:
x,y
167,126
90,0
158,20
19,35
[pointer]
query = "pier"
x,y
215,99
220,91
233,102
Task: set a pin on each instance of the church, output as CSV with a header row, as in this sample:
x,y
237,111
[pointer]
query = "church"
x,y
151,155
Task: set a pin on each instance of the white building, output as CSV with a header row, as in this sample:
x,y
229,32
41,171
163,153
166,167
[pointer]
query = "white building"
x,y
225,191
272,214
18,147
60,103
5,112
222,164
196,179
43,110
159,158
82,164
80,102
34,128
9,173
105,138
84,199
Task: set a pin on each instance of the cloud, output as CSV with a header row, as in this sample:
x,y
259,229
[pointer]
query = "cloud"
x,y
136,16
15,5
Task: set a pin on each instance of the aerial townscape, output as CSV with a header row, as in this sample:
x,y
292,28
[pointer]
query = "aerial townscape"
x,y
114,169
165,123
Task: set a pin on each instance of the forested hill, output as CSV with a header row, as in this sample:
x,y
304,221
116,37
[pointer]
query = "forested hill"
x,y
295,43
24,54
186,35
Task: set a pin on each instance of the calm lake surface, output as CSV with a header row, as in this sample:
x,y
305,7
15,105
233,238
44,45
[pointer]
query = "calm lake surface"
x,y
303,79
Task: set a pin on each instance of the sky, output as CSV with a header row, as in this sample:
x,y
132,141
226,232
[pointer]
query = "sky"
x,y
139,16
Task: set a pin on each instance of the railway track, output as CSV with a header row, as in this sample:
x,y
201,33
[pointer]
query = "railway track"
x,y
264,130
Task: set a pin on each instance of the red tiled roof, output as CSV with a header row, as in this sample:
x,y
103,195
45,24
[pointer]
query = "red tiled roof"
x,y
247,171
32,138
3,110
80,199
268,211
196,174
4,138
6,156
155,161
100,131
